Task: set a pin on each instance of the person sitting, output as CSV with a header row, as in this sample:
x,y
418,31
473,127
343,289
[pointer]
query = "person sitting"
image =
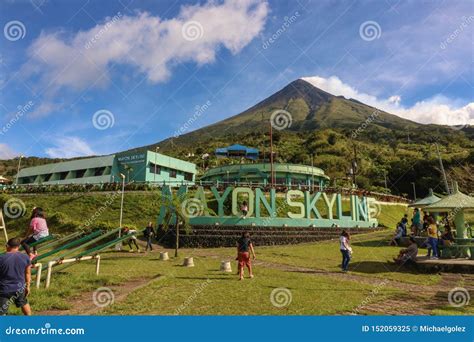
x,y
408,254
404,222
447,238
398,235
37,230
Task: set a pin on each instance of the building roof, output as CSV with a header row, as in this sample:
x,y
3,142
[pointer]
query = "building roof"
x,y
430,199
265,168
78,164
456,200
248,151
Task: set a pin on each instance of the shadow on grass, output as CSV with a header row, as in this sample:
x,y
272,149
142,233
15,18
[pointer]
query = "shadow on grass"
x,y
372,243
205,278
373,267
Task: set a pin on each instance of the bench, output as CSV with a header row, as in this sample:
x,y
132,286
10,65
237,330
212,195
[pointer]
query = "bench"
x,y
457,251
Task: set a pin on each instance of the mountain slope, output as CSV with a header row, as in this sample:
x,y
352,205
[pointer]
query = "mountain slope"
x,y
327,129
310,108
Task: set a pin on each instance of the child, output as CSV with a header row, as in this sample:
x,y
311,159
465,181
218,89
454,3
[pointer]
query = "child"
x,y
398,235
244,208
244,246
132,240
37,230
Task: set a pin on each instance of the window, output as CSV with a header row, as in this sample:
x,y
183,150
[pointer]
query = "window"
x,y
63,175
188,176
47,177
99,171
155,167
173,173
80,173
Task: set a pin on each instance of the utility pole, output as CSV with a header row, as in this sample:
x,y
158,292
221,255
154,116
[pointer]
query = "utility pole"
x,y
271,154
156,154
442,170
118,246
414,190
385,178
355,167
18,170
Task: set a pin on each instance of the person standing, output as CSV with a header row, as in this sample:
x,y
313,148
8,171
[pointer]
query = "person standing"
x,y
244,247
244,208
149,232
433,236
15,278
346,250
417,221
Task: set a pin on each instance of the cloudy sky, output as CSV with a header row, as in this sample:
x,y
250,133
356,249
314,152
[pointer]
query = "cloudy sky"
x,y
83,77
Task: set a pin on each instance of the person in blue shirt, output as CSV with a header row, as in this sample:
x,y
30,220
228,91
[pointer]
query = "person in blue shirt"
x,y
15,278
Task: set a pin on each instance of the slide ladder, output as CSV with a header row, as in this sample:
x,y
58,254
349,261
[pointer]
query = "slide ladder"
x,y
3,226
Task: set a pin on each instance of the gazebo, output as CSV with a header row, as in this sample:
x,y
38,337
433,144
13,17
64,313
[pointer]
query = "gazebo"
x,y
455,203
430,199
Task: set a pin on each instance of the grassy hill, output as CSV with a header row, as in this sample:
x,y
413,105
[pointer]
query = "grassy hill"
x,y
69,212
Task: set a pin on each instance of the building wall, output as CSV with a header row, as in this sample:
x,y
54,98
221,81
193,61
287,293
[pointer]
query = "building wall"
x,y
260,173
136,165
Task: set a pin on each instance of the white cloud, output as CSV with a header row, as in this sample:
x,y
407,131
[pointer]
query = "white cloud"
x,y
437,110
6,152
151,45
69,147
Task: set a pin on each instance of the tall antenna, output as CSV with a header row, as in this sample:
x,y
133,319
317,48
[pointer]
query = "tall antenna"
x,y
271,154
442,170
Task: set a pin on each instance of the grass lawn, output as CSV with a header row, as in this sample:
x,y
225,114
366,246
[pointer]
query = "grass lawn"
x,y
372,257
202,289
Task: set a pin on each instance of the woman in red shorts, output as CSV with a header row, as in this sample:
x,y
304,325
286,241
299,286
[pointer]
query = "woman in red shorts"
x,y
244,247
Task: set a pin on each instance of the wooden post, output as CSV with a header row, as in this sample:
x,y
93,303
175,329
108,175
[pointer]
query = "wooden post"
x,y
3,225
39,267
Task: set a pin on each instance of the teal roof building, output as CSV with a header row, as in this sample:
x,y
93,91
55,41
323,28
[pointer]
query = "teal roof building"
x,y
137,165
260,174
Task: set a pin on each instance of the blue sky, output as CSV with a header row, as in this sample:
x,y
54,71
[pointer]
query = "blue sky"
x,y
83,77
